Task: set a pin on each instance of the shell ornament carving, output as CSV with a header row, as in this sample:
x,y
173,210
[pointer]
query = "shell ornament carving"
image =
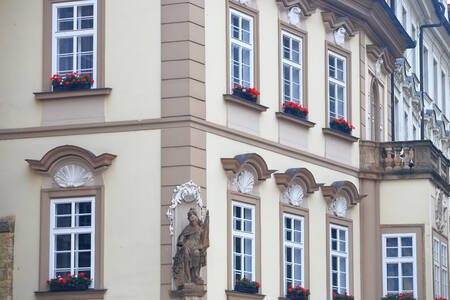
x,y
339,206
72,176
294,194
244,182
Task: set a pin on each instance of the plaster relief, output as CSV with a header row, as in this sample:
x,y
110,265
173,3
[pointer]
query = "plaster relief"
x,y
72,175
244,182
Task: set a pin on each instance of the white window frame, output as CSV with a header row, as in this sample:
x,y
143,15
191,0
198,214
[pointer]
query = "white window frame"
x,y
399,260
337,82
72,231
444,270
437,267
339,254
242,45
295,245
291,64
243,235
74,34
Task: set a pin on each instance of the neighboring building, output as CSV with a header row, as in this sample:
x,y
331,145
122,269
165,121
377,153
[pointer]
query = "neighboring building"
x,y
98,180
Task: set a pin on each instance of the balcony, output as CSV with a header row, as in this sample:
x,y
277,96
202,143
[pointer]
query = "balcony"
x,y
404,160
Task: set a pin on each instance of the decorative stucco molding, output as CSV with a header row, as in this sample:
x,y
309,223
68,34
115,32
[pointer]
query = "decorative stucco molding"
x,y
294,15
340,196
440,211
306,8
187,192
435,129
233,166
95,162
244,181
375,53
336,22
295,183
72,175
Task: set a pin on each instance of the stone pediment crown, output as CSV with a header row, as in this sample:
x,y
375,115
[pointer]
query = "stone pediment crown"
x,y
335,22
283,180
306,7
234,165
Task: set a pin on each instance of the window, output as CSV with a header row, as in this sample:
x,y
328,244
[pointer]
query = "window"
x,y
241,49
399,264
337,89
436,268
291,62
435,86
443,83
414,50
243,236
293,257
425,70
72,237
444,267
74,38
405,126
440,267
397,119
339,259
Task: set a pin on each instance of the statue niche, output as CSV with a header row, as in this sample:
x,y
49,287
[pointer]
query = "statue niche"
x,y
190,256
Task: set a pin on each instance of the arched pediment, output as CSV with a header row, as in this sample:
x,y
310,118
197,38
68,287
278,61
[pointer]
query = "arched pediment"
x,y
330,192
335,22
95,162
283,180
235,165
374,52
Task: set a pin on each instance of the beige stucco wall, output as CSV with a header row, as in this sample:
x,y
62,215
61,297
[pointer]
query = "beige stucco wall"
x,y
132,210
410,202
219,147
216,72
132,61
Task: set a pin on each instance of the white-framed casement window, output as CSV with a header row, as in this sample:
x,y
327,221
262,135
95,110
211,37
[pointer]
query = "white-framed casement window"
x,y
243,235
72,237
444,270
339,260
399,264
74,38
291,64
293,250
437,267
337,86
241,49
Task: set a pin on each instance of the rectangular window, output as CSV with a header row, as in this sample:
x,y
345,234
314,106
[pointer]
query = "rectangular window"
x,y
243,236
337,86
291,62
443,94
399,264
74,38
339,259
437,268
293,257
72,237
241,49
435,86
444,266
414,50
425,70
405,126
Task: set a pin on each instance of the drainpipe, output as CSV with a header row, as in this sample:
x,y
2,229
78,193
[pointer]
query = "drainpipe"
x,y
422,113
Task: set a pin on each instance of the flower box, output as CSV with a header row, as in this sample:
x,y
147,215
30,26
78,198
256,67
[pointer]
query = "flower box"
x,y
247,286
78,282
344,296
341,125
399,297
297,293
71,82
295,110
247,93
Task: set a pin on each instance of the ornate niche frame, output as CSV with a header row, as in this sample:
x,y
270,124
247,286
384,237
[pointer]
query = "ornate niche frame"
x,y
71,171
244,172
340,196
295,184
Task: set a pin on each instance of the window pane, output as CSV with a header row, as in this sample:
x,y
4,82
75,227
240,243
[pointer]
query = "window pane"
x,y
84,259
286,72
85,43
289,271
335,279
332,92
63,222
237,245
340,75
65,25
343,279
406,241
407,269
235,26
333,245
288,254
83,208
237,262
340,93
84,241
407,252
248,246
237,211
248,263
83,221
62,260
297,236
247,213
248,226
408,284
86,11
298,272
63,209
288,223
334,263
392,252
333,233
297,256
342,264
342,247
65,12
392,269
392,284
63,242
297,225
340,64
296,75
62,274
245,25
392,242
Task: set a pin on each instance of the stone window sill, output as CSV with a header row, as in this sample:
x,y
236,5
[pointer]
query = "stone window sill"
x,y
296,120
232,295
341,135
90,294
72,94
249,104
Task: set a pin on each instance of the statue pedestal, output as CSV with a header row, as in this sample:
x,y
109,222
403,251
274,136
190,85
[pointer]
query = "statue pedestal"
x,y
189,291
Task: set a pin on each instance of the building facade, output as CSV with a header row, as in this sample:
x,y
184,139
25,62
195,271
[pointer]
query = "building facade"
x,y
272,120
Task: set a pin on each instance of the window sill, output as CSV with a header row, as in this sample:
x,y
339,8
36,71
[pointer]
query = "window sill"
x,y
232,295
246,103
90,294
344,136
72,94
296,120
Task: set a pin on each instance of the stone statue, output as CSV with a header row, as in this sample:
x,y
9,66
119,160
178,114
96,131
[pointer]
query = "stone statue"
x,y
191,252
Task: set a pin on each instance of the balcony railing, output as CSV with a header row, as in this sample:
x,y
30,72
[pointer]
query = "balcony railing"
x,y
398,160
